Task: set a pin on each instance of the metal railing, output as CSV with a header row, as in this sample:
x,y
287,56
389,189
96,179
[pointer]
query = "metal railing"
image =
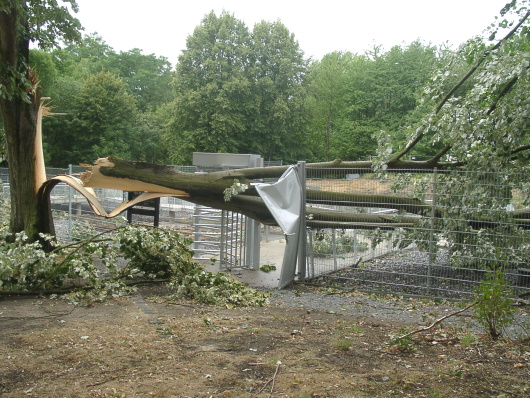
x,y
74,219
457,227
454,228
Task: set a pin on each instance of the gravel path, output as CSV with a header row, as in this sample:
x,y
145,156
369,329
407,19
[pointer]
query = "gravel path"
x,y
411,313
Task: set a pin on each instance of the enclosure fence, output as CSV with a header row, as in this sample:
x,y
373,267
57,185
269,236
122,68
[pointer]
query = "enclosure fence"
x,y
423,233
74,219
429,233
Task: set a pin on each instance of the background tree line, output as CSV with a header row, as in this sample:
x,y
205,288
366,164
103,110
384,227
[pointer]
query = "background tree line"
x,y
233,90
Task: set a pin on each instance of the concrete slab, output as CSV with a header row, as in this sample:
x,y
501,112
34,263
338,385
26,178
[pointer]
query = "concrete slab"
x,y
271,253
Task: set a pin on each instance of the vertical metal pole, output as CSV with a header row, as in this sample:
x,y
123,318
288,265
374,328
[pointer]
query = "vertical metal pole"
x,y
70,206
334,247
431,235
233,242
252,243
197,232
267,228
311,255
302,234
222,240
355,245
240,253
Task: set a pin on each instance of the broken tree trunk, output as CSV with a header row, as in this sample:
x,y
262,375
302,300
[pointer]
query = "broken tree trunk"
x,y
208,190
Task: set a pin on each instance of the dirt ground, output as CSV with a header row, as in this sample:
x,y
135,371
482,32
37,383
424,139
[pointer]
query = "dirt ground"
x,y
145,346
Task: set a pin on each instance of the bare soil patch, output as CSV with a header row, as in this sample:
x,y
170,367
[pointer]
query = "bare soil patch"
x,y
358,185
145,346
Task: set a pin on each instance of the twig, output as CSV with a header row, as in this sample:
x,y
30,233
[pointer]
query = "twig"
x,y
274,377
438,321
98,383
357,263
273,380
265,386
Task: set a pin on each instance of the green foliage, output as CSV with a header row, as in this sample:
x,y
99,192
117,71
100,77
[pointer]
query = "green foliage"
x,y
147,77
43,65
93,266
339,242
102,116
343,344
87,57
279,121
146,139
326,91
267,268
40,21
352,97
82,230
216,289
237,91
5,205
494,310
235,189
401,344
109,103
155,251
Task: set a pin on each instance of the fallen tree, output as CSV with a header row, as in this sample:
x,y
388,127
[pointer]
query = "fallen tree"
x,y
497,105
500,94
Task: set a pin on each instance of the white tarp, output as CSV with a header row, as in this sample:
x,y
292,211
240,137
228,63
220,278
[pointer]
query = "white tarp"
x,y
284,200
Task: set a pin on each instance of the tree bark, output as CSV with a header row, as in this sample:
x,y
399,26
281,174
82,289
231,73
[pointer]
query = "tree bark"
x,y
20,114
208,190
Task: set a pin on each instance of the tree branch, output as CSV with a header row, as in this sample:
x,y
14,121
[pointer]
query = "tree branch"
x,y
446,98
438,321
504,91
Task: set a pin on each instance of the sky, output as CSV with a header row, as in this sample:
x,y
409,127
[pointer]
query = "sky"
x,y
161,27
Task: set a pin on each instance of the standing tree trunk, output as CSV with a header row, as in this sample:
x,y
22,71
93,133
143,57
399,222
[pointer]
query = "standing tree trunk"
x,y
20,106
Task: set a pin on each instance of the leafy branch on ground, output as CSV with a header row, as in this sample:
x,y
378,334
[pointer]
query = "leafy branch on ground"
x,y
110,264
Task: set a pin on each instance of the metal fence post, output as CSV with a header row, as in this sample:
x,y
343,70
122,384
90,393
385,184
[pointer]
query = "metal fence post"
x,y
431,234
302,235
334,248
311,273
70,172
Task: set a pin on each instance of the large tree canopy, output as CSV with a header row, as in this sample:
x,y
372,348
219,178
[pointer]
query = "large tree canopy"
x,y
237,91
353,96
68,74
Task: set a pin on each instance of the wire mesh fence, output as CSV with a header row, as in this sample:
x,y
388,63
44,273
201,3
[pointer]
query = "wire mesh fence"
x,y
426,233
74,219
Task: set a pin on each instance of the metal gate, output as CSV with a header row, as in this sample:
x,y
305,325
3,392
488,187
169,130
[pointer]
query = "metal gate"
x,y
229,237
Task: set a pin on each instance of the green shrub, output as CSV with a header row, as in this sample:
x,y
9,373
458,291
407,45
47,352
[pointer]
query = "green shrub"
x,y
494,310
